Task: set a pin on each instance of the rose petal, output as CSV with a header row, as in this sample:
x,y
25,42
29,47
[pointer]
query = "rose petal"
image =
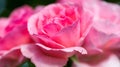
x,y
108,28
11,58
112,61
38,8
51,29
96,42
3,24
47,41
66,52
32,28
41,59
21,37
69,35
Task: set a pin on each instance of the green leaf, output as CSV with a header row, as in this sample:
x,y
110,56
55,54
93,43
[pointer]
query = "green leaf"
x,y
69,63
27,63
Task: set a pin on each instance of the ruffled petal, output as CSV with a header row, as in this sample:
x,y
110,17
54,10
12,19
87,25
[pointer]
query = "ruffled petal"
x,y
68,36
41,59
11,58
111,61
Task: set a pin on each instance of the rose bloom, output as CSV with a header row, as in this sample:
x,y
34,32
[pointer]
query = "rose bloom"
x,y
105,33
73,1
13,33
59,30
38,8
103,40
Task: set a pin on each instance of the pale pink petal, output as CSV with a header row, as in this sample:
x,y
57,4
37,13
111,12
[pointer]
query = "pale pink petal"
x,y
47,41
46,57
96,42
66,52
41,59
32,28
68,35
111,61
86,22
11,58
3,24
107,27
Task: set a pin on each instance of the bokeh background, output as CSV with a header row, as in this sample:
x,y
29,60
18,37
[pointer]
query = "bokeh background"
x,y
6,6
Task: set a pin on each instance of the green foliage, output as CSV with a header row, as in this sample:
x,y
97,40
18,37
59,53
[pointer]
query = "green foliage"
x,y
113,1
27,63
69,63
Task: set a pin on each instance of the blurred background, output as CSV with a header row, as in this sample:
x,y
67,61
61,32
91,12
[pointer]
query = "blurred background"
x,y
6,6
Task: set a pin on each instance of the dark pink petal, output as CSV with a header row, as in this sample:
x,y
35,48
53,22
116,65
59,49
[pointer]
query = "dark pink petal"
x,y
19,16
14,38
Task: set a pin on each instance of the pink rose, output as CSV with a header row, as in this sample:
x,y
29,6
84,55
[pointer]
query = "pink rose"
x,y
74,1
38,8
59,30
102,41
13,33
99,61
105,33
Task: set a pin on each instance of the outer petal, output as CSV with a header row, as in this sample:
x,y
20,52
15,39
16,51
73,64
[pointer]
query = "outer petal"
x,y
11,58
3,24
112,61
41,59
57,57
19,17
38,8
97,41
107,27
14,38
65,52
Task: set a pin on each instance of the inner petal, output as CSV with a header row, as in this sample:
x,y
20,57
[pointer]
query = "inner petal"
x,y
68,36
51,29
63,21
